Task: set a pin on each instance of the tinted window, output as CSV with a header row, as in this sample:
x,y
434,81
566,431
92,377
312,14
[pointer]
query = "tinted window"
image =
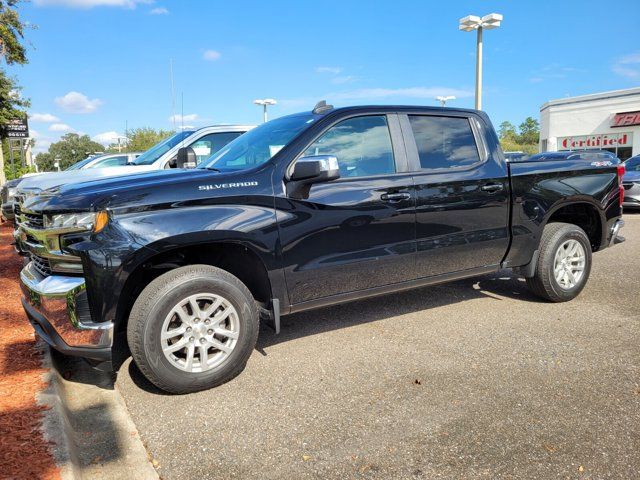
x,y
211,144
362,146
633,164
111,162
159,149
444,142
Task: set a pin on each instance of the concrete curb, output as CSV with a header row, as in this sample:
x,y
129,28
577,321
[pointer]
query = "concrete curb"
x,y
89,425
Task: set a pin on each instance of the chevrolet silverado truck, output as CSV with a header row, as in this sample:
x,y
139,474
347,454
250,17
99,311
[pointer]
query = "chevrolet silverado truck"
x,y
304,211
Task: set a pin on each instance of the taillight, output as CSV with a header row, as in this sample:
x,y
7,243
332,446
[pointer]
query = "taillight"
x,y
621,171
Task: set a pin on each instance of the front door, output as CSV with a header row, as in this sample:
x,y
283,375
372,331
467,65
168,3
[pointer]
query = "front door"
x,y
356,232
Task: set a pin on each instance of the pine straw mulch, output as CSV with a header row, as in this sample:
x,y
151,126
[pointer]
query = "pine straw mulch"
x,y
24,454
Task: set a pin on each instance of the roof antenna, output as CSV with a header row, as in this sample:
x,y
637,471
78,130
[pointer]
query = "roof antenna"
x,y
321,107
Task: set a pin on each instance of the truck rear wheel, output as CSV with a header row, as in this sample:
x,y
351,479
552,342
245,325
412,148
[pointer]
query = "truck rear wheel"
x,y
564,263
193,328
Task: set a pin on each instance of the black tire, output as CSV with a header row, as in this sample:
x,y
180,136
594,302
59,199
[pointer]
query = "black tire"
x,y
544,283
158,299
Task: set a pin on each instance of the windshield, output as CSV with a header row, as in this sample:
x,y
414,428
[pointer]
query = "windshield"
x,y
633,164
259,145
81,163
159,149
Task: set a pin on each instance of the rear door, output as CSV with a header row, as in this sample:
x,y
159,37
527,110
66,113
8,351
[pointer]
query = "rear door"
x,y
462,193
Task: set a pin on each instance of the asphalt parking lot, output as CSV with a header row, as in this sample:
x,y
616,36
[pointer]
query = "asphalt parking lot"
x,y
475,379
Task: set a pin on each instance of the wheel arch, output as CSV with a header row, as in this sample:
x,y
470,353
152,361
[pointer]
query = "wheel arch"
x,y
584,213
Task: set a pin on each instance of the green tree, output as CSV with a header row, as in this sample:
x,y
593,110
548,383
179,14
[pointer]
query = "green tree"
x,y
141,139
529,131
13,51
12,33
507,131
69,150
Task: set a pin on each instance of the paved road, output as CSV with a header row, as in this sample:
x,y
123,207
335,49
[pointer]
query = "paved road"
x,y
475,379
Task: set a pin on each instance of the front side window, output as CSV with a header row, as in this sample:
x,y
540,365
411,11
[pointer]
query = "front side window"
x,y
362,146
159,149
444,142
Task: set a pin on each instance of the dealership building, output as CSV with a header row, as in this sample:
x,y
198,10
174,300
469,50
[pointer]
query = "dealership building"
x,y
608,121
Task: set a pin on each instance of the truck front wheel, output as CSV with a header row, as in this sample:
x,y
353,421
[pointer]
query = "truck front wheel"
x,y
564,263
193,328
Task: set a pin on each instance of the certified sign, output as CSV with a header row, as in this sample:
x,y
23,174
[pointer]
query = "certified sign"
x,y
605,140
17,128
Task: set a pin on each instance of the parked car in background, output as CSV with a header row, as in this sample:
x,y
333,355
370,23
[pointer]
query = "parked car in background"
x,y
511,156
304,211
10,188
204,142
591,155
631,183
105,160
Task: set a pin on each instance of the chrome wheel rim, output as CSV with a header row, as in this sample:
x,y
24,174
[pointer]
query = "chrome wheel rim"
x,y
200,332
568,267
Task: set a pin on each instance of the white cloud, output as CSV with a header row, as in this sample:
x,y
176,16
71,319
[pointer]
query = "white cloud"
x,y
159,11
76,102
331,70
107,138
185,127
86,4
43,117
60,127
628,66
211,55
191,117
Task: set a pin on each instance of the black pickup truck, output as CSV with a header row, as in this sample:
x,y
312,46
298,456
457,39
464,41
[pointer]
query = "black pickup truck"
x,y
305,211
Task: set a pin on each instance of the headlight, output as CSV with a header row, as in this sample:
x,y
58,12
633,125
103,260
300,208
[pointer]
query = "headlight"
x,y
83,220
11,192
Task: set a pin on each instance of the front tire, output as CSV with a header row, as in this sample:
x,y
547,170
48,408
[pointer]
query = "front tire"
x,y
564,263
193,328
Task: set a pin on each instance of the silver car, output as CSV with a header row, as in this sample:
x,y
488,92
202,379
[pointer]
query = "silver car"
x,y
631,183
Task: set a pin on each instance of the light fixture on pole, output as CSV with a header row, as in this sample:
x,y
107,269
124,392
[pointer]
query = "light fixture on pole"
x,y
443,100
264,102
470,23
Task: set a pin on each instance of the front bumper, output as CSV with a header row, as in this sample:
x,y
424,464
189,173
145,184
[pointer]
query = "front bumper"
x,y
58,310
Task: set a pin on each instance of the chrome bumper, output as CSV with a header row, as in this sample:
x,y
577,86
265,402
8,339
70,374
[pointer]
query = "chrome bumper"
x,y
615,233
57,308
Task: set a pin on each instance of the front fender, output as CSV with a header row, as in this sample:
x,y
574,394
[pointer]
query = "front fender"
x,y
110,256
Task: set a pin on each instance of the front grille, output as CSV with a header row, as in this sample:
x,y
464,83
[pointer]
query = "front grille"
x,y
41,265
34,220
16,209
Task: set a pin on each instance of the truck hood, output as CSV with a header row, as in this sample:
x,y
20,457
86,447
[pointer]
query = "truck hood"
x,y
142,191
47,181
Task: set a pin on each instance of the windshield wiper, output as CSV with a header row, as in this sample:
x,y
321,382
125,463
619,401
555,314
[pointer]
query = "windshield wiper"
x,y
214,169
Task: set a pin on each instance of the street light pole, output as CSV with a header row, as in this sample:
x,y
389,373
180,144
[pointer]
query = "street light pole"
x,y
479,70
473,22
265,102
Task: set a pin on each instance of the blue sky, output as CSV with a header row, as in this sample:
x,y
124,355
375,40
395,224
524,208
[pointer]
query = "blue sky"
x,y
98,65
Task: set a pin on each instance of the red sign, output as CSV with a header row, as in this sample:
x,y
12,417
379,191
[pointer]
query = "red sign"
x,y
607,140
625,119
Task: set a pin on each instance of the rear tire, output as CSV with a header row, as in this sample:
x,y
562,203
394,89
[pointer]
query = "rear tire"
x,y
564,263
193,328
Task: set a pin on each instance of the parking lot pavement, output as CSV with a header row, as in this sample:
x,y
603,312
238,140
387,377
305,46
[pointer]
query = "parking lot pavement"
x,y
475,379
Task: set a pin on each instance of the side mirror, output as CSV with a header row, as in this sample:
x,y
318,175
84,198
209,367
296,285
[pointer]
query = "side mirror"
x,y
316,169
186,158
310,170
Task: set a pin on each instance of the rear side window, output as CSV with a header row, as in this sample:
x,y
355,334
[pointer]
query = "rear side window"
x,y
444,142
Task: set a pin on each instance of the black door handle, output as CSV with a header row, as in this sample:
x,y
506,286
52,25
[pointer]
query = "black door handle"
x,y
395,197
492,187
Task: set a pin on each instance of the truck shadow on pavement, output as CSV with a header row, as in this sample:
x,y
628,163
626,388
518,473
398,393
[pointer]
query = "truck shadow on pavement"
x,y
499,285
